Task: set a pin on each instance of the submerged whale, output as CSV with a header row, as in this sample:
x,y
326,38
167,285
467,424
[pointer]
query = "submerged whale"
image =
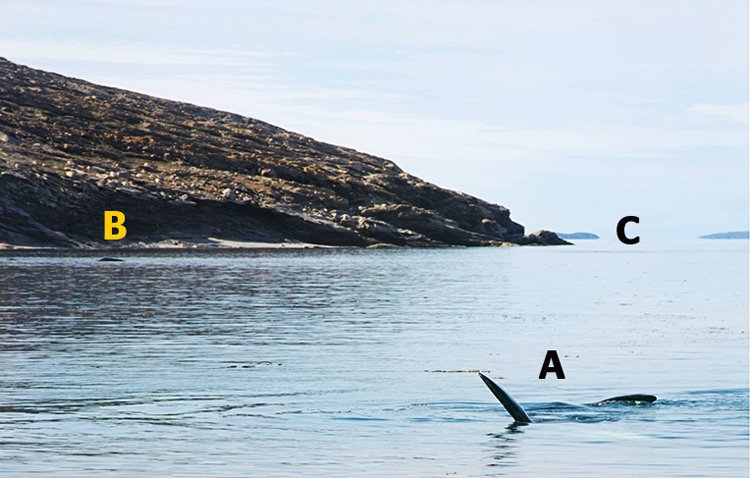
x,y
520,415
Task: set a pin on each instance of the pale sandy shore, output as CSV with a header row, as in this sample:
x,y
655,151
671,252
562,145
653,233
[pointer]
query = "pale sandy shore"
x,y
209,244
203,244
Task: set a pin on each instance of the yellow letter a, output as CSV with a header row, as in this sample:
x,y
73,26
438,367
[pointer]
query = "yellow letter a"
x,y
114,225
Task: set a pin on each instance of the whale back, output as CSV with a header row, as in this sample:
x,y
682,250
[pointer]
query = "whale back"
x,y
626,398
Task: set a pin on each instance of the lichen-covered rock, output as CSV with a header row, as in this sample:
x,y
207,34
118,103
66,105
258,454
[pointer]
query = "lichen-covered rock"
x,y
70,149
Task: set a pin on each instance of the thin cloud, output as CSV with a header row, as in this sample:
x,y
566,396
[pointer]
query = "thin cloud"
x,y
737,113
136,53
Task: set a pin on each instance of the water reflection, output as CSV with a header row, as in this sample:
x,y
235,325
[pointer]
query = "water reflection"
x,y
504,446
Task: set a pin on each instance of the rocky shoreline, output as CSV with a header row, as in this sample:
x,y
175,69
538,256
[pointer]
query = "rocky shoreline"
x,y
194,177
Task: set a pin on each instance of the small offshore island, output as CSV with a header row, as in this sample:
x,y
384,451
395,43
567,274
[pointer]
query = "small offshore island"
x,y
727,235
188,176
577,235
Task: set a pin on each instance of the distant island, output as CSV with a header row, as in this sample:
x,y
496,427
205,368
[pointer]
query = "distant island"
x,y
195,177
577,235
728,235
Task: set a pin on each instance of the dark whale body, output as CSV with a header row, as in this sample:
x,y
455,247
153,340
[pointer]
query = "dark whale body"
x,y
626,398
520,415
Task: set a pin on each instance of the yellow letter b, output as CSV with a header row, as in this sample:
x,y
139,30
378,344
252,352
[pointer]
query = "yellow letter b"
x,y
114,225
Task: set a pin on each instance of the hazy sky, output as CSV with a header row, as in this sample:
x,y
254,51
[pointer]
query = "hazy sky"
x,y
572,114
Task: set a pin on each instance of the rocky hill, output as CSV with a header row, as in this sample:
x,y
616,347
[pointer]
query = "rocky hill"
x,y
188,175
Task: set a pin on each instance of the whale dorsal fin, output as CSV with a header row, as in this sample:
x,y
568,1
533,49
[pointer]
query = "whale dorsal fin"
x,y
627,398
515,410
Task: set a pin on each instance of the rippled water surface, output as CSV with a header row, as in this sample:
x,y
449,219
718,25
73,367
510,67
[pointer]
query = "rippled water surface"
x,y
341,363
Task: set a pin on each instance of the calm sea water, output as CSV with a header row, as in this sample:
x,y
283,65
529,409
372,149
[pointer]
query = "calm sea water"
x,y
342,363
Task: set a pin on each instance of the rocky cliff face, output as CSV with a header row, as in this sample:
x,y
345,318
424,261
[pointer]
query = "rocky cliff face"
x,y
70,149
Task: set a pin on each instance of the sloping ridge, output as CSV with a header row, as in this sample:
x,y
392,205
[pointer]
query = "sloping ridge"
x,y
70,149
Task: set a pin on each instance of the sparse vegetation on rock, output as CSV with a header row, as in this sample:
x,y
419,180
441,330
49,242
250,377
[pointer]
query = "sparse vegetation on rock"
x,y
70,149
